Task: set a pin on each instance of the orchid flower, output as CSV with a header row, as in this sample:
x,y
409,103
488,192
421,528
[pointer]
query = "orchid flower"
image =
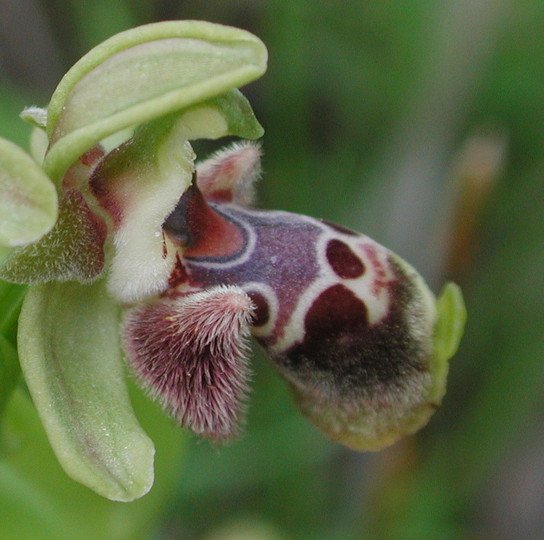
x,y
134,252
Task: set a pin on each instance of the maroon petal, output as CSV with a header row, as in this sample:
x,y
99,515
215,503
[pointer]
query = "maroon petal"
x,y
229,174
72,251
190,352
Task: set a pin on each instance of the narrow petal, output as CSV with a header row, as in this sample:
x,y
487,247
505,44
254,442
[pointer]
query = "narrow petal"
x,y
190,352
229,174
72,250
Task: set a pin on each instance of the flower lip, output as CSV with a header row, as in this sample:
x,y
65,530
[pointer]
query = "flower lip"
x,y
348,324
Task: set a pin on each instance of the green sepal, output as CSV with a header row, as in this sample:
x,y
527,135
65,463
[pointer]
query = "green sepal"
x,y
142,74
71,358
28,199
227,114
451,316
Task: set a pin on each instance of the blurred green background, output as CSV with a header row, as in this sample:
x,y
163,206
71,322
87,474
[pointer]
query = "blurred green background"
x,y
418,122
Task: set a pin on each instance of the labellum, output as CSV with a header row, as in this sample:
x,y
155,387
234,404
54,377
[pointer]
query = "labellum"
x,y
347,323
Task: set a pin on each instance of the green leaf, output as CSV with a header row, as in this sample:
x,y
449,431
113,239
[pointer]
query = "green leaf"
x,y
70,356
9,372
28,200
28,512
142,74
11,298
450,324
37,500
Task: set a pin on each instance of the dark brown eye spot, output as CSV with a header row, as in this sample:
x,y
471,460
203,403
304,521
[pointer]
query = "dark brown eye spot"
x,y
261,315
343,261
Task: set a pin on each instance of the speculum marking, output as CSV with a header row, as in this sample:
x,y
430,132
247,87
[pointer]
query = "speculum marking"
x,y
343,261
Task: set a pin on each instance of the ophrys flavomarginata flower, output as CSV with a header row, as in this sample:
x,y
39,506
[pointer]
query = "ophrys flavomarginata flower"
x,y
347,323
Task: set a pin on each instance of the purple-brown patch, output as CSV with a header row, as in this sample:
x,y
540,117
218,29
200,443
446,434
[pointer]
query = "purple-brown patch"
x,y
336,316
342,354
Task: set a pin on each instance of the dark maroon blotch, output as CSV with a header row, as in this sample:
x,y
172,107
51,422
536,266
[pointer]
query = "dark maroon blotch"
x,y
336,316
180,223
261,314
343,261
350,354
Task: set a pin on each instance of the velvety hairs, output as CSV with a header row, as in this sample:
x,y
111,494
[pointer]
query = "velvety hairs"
x,y
190,352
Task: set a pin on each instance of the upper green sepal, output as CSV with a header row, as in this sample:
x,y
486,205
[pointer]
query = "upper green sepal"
x,y
28,199
142,74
